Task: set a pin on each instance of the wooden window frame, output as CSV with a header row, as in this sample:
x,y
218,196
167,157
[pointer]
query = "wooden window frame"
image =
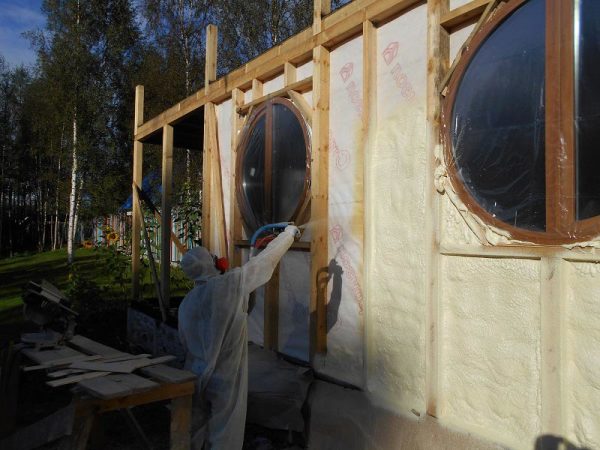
x,y
266,110
562,227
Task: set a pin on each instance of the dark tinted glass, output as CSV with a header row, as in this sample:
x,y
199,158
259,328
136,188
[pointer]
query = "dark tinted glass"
x,y
289,163
587,106
253,171
498,121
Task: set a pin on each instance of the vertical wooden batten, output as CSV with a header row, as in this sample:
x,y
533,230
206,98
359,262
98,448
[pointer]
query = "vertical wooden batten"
x,y
369,124
210,74
319,202
165,223
321,8
137,182
438,55
235,254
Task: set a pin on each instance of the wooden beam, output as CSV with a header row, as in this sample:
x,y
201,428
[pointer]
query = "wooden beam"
x,y
165,224
369,124
463,15
438,54
137,180
289,73
321,8
217,198
210,68
319,202
206,183
299,86
336,27
299,246
235,228
257,89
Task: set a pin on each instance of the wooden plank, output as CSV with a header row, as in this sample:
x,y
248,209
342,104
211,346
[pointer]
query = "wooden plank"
x,y
321,8
47,356
289,74
210,68
206,182
168,374
219,205
236,229
319,201
112,386
76,378
166,222
299,86
438,54
157,394
61,362
137,181
463,15
181,423
120,367
257,89
91,347
271,312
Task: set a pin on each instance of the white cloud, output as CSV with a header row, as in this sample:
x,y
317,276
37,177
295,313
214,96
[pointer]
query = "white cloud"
x,y
16,17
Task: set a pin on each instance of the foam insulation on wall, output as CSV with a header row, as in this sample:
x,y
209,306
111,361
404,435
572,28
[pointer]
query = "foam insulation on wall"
x,y
582,354
345,307
396,220
489,361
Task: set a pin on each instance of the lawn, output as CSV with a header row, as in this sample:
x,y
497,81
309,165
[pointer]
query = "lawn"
x,y
104,273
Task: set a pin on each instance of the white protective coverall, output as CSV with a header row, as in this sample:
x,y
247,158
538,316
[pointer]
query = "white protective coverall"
x,y
214,333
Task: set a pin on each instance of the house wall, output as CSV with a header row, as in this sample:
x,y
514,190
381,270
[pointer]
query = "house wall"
x,y
516,330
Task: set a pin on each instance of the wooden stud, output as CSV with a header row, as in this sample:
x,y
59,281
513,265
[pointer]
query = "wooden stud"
x,y
321,8
369,124
206,182
257,89
438,55
217,199
319,201
210,68
236,229
461,16
137,181
165,225
289,74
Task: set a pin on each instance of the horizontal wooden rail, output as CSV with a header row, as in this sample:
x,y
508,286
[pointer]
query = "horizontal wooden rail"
x,y
336,27
299,246
304,85
464,15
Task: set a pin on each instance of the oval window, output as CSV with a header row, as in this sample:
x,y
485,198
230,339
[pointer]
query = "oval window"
x,y
273,165
522,116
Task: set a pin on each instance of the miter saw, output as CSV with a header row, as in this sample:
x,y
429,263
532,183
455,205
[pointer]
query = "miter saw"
x,y
48,307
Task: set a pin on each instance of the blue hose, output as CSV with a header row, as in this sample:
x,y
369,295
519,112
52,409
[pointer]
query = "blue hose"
x,y
271,226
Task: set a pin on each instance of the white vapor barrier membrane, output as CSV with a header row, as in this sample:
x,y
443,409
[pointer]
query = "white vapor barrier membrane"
x,y
345,298
273,85
304,71
396,217
457,39
224,117
490,348
582,351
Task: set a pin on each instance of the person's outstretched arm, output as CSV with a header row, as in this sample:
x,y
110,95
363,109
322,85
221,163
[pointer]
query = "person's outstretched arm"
x,y
259,269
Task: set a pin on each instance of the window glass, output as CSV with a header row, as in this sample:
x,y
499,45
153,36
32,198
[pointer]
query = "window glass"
x,y
497,128
587,107
288,163
253,171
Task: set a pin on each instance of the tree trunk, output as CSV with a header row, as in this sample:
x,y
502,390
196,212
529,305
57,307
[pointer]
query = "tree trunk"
x,y
56,224
73,195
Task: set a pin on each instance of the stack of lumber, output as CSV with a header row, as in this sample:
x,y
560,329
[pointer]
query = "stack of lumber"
x,y
102,371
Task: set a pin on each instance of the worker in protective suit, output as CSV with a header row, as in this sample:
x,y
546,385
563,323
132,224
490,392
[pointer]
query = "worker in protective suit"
x,y
213,331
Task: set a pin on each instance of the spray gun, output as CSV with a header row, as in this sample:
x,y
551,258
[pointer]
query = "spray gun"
x,y
274,228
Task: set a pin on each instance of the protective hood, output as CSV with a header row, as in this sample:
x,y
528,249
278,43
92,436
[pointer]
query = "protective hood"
x,y
198,264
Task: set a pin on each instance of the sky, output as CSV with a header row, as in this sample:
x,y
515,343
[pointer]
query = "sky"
x,y
17,16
